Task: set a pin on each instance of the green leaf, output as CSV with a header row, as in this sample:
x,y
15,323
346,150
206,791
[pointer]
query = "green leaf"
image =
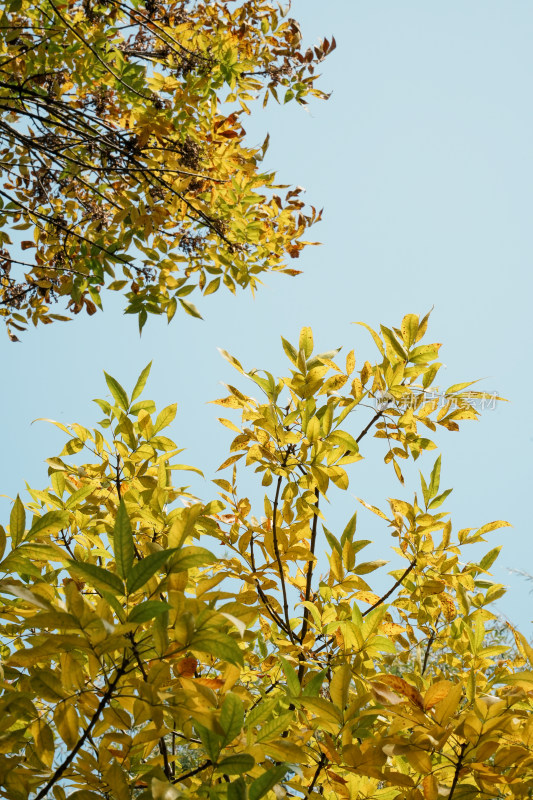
x,y
217,644
349,531
290,351
236,764
293,684
165,417
518,677
267,781
79,495
231,717
189,557
332,541
117,391
425,490
17,521
143,405
148,610
434,478
439,499
123,542
344,440
237,790
211,741
313,686
143,570
97,577
488,560
49,523
190,308
141,382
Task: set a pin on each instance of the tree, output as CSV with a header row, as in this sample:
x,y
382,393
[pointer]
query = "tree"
x,y
123,151
156,649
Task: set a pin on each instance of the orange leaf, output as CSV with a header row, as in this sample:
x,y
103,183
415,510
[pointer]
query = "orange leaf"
x,y
402,687
437,692
211,683
430,787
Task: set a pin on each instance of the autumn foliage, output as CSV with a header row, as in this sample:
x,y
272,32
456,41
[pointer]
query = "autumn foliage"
x,y
157,646
124,157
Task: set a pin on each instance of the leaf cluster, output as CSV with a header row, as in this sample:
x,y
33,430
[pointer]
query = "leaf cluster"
x,y
123,152
156,646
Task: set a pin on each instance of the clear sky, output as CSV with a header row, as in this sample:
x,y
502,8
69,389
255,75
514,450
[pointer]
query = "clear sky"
x,y
422,160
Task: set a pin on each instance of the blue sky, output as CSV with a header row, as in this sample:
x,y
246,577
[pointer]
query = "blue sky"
x,y
422,160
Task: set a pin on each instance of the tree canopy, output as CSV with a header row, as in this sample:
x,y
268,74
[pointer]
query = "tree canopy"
x,y
124,156
155,645
155,649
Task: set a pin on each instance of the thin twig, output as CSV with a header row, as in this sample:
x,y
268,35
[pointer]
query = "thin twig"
x,y
86,733
400,580
458,767
320,767
278,555
309,577
193,772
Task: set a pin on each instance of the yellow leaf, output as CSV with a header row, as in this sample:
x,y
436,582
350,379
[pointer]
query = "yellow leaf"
x,y
367,597
229,424
419,760
340,686
430,788
350,362
227,402
448,606
229,461
409,328
391,628
449,705
333,384
437,692
44,741
491,526
116,780
306,341
67,723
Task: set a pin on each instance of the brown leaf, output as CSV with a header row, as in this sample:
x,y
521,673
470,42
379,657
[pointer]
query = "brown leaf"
x,y
402,687
186,667
384,695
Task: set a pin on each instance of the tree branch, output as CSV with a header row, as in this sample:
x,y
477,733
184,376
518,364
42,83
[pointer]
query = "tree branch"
x,y
309,577
278,555
400,580
86,733
458,767
320,766
193,772
162,744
